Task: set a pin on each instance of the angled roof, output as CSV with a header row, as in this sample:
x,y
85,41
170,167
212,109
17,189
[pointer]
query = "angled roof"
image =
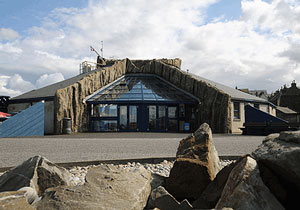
x,y
50,90
141,88
234,93
285,110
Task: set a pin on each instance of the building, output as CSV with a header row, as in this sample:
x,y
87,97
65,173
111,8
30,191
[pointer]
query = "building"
x,y
259,93
287,97
141,95
287,114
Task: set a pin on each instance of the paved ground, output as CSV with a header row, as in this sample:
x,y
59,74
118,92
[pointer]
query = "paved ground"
x,y
105,146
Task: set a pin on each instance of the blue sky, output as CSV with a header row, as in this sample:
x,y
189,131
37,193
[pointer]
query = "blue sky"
x,y
227,10
243,43
20,15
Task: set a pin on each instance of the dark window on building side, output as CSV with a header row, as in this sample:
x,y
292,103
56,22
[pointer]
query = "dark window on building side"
x,y
256,106
236,111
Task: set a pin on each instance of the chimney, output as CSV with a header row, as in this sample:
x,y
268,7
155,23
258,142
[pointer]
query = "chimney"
x,y
294,85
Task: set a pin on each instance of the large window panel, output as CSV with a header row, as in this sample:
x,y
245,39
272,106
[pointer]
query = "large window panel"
x,y
162,117
152,117
236,111
123,90
133,117
123,117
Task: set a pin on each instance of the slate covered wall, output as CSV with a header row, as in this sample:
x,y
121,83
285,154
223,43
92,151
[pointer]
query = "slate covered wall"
x,y
214,109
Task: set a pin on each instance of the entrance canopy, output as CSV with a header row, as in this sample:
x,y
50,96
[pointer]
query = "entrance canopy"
x,y
141,88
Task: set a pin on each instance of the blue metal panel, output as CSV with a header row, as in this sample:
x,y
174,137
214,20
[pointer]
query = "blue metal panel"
x,y
29,122
254,115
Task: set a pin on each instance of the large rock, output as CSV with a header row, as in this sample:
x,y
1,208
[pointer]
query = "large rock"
x,y
245,189
14,200
196,165
160,198
200,146
278,159
106,187
36,172
213,191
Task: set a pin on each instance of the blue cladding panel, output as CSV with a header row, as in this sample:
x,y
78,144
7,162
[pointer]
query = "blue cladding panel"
x,y
29,122
254,115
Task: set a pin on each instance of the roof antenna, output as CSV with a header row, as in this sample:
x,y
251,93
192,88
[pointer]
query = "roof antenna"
x,y
101,49
93,49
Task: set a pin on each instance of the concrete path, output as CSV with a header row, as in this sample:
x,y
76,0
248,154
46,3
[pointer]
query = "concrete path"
x,y
106,146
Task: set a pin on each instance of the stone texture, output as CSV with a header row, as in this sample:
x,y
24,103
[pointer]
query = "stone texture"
x,y
278,159
160,198
213,191
106,187
14,200
245,189
30,194
200,146
196,165
36,172
215,107
69,101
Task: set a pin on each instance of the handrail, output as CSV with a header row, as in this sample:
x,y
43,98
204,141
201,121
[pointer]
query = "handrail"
x,y
87,66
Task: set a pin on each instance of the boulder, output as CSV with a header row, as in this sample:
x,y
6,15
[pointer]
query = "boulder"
x,y
245,189
278,159
196,165
200,146
36,172
161,199
213,191
188,179
106,187
14,200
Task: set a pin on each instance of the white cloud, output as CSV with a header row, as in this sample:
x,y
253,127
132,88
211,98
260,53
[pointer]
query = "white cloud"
x,y
48,79
253,51
8,34
14,85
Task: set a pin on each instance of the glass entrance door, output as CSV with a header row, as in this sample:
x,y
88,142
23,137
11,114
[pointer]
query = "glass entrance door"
x,y
152,117
132,117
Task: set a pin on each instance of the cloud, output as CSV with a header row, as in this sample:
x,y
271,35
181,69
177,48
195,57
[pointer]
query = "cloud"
x,y
14,85
48,79
7,34
253,51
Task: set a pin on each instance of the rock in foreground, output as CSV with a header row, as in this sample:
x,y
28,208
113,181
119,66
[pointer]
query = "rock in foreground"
x,y
278,159
245,189
37,173
106,187
196,165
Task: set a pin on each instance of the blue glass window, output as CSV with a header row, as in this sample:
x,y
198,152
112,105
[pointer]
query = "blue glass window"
x,y
136,87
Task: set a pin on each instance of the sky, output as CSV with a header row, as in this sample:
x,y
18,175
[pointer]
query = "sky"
x,y
251,44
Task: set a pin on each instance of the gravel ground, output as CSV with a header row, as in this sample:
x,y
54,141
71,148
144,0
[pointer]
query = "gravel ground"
x,y
106,146
162,169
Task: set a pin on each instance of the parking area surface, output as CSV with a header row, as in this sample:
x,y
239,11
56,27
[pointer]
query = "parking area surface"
x,y
108,146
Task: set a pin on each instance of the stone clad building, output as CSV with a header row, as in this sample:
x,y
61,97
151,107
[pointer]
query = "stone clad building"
x,y
141,95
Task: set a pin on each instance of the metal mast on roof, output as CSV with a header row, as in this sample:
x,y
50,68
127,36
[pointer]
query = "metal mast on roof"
x,y
101,49
93,49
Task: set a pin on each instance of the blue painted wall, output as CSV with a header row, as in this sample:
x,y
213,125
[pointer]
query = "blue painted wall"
x,y
29,122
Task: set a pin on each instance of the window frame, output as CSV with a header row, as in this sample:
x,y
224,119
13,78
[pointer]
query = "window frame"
x,y
236,111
